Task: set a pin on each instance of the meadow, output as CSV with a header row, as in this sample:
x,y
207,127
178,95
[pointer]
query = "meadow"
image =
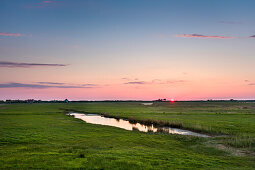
x,y
42,136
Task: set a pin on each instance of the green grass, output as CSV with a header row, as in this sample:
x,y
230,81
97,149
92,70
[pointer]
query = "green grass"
x,y
42,136
232,118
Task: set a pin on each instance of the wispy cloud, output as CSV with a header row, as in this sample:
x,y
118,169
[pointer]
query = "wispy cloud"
x,y
57,83
125,78
42,4
26,65
249,83
54,83
40,86
48,2
129,79
253,36
202,36
10,34
89,85
155,81
158,81
230,22
136,82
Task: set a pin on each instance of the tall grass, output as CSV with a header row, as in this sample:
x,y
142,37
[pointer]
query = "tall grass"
x,y
240,141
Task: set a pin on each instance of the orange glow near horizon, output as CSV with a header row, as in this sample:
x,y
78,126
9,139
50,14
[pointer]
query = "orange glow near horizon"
x,y
143,91
112,55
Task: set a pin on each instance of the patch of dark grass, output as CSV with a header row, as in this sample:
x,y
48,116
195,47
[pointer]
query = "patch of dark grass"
x,y
81,155
132,120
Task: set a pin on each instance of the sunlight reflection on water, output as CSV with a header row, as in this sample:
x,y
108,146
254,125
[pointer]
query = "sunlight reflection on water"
x,y
124,124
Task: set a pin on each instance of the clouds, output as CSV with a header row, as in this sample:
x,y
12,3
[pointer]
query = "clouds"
x,y
54,83
27,65
44,85
210,36
168,81
10,34
154,82
42,4
230,22
129,79
202,36
47,2
136,82
249,83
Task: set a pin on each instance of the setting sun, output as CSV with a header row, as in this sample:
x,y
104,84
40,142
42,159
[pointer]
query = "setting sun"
x,y
127,84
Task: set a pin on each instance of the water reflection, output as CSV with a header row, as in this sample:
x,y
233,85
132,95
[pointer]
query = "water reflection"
x,y
147,104
124,124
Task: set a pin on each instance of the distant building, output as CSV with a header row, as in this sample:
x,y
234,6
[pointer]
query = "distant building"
x,y
66,100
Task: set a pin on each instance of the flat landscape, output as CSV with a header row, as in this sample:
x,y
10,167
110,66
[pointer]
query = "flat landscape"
x,y
42,135
127,84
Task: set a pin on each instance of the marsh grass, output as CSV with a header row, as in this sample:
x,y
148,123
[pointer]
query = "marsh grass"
x,y
161,123
211,118
42,136
240,141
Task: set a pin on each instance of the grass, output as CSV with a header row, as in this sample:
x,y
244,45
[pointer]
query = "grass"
x,y
35,136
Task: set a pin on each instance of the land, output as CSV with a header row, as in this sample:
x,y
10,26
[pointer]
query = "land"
x,y
42,136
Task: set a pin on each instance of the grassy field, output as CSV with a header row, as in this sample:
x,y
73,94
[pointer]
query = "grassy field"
x,y
43,136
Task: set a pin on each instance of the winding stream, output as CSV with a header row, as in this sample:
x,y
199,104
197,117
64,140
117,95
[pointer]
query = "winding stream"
x,y
125,124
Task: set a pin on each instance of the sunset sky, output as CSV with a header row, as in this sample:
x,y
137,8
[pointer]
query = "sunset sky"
x,y
133,49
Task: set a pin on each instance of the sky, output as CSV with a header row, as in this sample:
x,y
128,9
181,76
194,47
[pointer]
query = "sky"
x,y
127,50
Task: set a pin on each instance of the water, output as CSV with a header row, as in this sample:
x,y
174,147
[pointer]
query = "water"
x,y
124,124
147,104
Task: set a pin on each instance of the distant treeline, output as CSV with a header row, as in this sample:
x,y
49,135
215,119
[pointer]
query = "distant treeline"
x,y
34,101
67,101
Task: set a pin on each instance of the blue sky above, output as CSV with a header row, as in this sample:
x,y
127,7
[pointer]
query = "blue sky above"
x,y
102,41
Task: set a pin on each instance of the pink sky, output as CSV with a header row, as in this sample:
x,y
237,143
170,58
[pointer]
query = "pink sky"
x,y
135,49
